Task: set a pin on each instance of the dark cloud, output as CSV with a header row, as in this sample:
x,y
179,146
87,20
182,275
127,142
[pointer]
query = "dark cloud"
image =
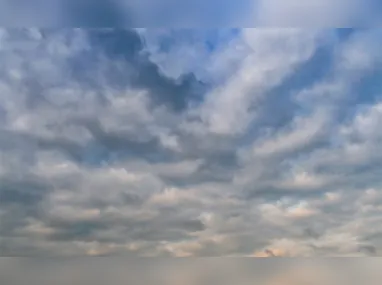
x,y
369,249
24,191
269,253
311,233
127,145
141,72
77,230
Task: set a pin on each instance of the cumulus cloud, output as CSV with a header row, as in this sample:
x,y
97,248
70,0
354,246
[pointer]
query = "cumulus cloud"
x,y
268,145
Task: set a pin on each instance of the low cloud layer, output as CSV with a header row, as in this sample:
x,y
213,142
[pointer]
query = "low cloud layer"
x,y
266,145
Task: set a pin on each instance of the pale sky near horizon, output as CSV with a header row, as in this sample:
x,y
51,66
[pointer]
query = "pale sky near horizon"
x,y
193,271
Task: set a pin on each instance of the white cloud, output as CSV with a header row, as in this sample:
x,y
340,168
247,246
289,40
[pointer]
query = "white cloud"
x,y
272,56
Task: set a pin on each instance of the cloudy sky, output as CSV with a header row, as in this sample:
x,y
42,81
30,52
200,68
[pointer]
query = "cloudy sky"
x,y
190,142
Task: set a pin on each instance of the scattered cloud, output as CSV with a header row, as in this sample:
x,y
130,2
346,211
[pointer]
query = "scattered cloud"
x,y
266,145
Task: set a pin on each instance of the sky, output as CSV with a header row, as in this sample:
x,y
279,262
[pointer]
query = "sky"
x,y
182,139
196,13
186,142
